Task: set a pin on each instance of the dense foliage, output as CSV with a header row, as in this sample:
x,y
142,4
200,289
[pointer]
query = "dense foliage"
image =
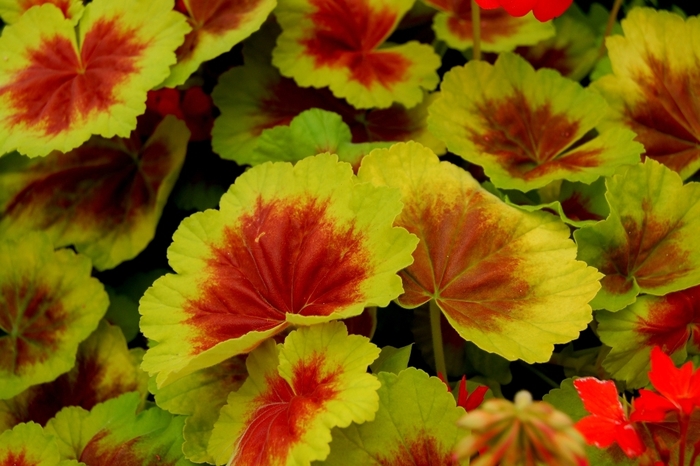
x,y
348,232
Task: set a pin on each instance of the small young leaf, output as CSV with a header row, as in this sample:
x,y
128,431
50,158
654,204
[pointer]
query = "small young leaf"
x,y
392,360
312,132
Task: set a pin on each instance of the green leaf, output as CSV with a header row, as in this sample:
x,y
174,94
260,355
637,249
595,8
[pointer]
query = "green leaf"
x,y
577,204
200,396
392,359
652,88
217,26
104,198
112,433
12,10
416,424
490,365
668,322
495,272
48,305
105,368
295,393
648,243
255,97
527,128
321,47
323,246
312,132
60,83
28,445
575,48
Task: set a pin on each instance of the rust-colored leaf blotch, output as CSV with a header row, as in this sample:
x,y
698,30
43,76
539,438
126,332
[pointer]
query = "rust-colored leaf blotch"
x,y
32,321
345,36
422,450
61,88
284,413
529,140
286,256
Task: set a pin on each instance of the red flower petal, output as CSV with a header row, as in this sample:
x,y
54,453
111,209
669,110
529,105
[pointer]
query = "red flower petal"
x,y
518,7
680,386
549,9
650,407
608,423
488,4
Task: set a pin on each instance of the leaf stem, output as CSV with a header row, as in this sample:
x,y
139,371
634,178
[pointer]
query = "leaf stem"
x,y
608,27
436,331
684,421
476,31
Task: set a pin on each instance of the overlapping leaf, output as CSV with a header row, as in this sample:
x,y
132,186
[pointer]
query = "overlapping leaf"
x,y
294,395
12,10
500,32
527,128
28,445
577,204
104,368
668,322
48,305
113,433
296,245
312,132
200,396
505,279
254,97
217,25
656,69
58,86
416,425
648,243
340,44
575,48
104,198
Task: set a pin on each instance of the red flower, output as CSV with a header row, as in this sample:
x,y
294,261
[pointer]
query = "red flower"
x,y
608,422
679,389
466,400
544,10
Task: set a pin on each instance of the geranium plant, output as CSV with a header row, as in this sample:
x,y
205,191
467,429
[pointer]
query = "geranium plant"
x,y
349,232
